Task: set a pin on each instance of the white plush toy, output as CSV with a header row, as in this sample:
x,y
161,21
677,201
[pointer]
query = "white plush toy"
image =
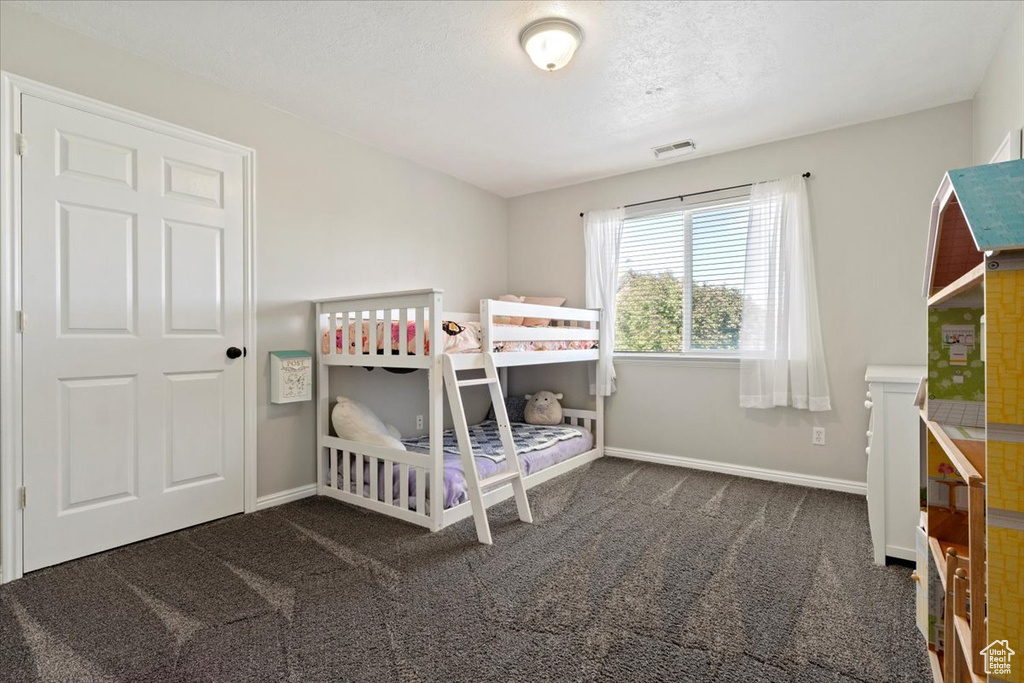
x,y
543,408
355,422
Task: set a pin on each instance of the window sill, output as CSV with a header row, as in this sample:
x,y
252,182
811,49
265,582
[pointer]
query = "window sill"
x,y
689,360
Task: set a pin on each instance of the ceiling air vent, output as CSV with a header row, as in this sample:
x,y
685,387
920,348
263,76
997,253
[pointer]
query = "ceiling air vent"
x,y
676,149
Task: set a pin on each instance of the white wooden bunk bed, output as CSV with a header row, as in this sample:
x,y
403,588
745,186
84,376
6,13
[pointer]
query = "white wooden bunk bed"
x,y
343,466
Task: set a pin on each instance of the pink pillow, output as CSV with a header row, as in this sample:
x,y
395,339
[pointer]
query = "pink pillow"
x,y
509,320
542,301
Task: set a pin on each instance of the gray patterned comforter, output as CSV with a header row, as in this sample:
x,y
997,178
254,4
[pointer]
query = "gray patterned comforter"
x,y
486,440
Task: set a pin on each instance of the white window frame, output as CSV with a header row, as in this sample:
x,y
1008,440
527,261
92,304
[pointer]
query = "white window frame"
x,y
712,358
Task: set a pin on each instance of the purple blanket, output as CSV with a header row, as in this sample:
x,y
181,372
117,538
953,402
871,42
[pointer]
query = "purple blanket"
x,y
454,479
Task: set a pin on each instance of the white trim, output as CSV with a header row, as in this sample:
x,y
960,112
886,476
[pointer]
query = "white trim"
x,y
898,374
999,431
249,337
1011,148
679,359
940,199
282,497
12,87
10,341
845,485
27,86
900,552
1006,519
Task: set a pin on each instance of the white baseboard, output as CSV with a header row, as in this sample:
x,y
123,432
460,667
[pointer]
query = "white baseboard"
x,y
282,497
857,487
901,553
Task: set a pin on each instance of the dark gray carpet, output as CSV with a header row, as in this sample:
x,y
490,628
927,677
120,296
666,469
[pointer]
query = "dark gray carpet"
x,y
632,572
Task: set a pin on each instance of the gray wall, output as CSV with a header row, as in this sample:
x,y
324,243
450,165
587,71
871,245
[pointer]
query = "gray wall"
x,y
999,102
870,194
334,216
333,212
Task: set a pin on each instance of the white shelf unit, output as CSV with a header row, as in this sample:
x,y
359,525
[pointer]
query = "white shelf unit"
x,y
893,474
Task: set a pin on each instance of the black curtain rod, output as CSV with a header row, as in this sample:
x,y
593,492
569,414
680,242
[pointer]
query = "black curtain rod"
x,y
681,197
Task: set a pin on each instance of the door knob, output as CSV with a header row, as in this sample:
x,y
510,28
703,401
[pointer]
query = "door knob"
x,y
234,352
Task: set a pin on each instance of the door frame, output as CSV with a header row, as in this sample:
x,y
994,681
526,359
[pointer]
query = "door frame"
x,y
12,87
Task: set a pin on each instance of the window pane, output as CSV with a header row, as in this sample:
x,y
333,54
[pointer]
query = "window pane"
x,y
650,298
719,251
667,281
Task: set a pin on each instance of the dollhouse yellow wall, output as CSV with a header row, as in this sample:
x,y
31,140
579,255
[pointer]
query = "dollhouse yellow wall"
x,y
1006,593
1004,318
1006,476
939,464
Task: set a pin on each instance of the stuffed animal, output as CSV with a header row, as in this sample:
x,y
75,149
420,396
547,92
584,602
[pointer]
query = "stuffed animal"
x,y
452,329
355,422
543,408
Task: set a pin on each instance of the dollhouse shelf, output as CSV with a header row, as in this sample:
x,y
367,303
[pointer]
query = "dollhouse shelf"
x,y
972,278
968,457
939,548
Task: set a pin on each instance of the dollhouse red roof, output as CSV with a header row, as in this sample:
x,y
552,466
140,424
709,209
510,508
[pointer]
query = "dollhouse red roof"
x,y
976,209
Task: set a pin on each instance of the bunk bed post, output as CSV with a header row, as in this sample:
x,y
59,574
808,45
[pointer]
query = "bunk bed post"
x,y
486,335
322,400
485,326
435,379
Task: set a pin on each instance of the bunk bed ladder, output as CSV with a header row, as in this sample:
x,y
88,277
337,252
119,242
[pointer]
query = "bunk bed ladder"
x,y
513,473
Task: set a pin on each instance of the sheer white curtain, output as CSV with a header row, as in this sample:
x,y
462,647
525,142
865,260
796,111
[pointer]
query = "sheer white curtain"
x,y
602,232
782,361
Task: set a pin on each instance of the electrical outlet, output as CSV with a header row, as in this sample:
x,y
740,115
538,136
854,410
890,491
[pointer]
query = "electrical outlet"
x,y
419,422
818,436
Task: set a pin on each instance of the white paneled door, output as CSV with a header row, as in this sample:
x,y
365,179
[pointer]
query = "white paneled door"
x,y
132,288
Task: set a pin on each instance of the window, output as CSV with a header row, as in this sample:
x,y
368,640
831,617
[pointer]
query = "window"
x,y
681,280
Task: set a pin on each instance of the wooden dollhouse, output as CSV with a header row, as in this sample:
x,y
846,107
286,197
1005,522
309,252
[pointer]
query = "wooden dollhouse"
x,y
970,563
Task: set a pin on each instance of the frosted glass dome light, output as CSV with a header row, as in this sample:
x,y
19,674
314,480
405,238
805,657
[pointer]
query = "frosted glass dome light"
x,y
551,43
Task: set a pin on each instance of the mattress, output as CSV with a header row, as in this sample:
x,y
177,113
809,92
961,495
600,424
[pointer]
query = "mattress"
x,y
455,487
458,338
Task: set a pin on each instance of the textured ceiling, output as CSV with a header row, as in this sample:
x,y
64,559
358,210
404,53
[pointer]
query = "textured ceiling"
x,y
446,84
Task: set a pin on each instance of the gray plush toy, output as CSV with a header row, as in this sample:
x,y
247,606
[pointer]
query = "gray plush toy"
x,y
543,408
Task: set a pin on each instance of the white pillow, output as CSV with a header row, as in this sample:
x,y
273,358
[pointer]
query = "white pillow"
x,y
355,422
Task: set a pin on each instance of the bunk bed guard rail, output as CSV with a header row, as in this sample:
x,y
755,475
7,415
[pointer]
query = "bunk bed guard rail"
x,y
396,482
355,322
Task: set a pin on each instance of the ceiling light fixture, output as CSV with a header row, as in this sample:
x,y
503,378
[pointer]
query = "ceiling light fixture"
x,y
551,43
